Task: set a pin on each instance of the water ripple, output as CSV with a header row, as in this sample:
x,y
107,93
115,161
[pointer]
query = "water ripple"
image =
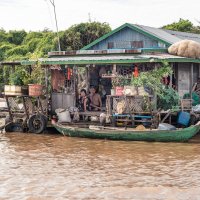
x,y
57,167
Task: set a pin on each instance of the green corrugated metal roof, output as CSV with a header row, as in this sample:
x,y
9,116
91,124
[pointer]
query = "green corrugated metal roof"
x,y
108,59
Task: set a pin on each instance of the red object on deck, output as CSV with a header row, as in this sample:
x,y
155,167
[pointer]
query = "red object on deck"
x,y
136,72
68,73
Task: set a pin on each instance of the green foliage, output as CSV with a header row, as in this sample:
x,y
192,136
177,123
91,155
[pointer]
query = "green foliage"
x,y
120,81
152,79
4,47
167,98
21,45
32,44
80,35
195,98
37,75
1,75
184,26
16,37
19,76
6,74
18,50
3,36
32,35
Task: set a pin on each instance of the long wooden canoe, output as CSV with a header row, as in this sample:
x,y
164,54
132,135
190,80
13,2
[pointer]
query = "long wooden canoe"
x,y
130,134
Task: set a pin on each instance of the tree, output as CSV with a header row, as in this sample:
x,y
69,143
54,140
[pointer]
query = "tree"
x,y
16,37
80,35
183,26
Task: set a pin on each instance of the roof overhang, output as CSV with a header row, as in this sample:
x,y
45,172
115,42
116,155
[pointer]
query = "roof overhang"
x,y
110,59
10,63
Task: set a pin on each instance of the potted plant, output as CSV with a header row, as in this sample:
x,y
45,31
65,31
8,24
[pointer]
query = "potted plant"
x,y
35,81
118,83
16,82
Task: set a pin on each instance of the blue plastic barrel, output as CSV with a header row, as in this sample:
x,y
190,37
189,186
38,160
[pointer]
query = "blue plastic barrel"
x,y
184,118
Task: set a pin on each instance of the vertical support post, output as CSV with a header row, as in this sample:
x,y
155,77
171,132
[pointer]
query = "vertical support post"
x,y
87,77
199,71
12,68
4,74
9,108
54,7
75,83
170,81
191,79
178,77
155,95
46,79
40,105
114,70
46,87
25,108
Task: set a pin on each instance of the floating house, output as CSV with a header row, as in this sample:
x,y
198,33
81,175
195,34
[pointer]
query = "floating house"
x,y
119,52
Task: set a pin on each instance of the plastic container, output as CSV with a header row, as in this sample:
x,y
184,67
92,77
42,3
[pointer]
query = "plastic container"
x,y
112,92
12,90
184,118
165,126
35,90
119,91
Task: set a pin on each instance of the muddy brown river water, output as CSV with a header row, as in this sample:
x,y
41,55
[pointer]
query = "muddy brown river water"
x,y
51,166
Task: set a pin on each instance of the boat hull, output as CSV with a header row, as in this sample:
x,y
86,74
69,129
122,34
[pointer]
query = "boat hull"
x,y
179,135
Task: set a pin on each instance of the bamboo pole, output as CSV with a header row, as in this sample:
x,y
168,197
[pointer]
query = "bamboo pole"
x,y
191,79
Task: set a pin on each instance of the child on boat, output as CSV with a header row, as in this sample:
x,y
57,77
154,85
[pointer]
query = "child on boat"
x,y
83,101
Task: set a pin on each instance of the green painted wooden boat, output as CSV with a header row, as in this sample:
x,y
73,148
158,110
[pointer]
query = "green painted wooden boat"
x,y
130,134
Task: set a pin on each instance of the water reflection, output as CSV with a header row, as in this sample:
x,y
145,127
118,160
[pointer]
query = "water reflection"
x,y
56,167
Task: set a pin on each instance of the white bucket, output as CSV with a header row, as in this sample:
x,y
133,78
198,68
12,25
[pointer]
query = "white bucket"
x,y
12,90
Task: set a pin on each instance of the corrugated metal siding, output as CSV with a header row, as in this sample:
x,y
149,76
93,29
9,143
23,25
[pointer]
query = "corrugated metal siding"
x,y
125,36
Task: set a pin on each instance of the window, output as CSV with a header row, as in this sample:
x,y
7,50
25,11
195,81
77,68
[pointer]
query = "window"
x,y
137,44
110,45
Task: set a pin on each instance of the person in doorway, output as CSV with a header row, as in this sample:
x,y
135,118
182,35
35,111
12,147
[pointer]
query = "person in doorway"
x,y
83,101
95,98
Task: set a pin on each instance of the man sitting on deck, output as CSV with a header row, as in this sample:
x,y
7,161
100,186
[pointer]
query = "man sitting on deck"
x,y
95,98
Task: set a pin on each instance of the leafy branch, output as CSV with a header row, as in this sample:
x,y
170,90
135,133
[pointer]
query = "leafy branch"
x,y
152,79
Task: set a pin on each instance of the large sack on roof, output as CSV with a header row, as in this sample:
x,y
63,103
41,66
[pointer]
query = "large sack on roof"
x,y
185,48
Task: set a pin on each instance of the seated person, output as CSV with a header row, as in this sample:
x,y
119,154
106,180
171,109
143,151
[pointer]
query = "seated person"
x,y
95,99
83,101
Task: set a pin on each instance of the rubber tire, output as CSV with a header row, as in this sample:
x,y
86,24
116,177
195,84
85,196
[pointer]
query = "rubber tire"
x,y
14,127
42,127
46,120
8,128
